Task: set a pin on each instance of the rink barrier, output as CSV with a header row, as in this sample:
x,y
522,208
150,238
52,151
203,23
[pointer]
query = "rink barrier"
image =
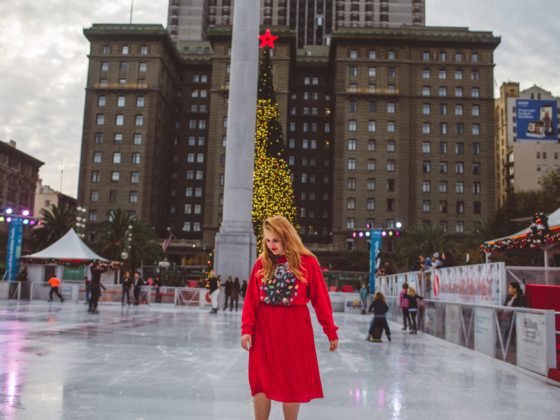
x,y
520,336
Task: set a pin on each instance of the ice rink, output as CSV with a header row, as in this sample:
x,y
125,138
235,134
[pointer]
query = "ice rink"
x,y
163,362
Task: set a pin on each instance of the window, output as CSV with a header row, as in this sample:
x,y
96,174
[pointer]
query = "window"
x,y
188,192
353,71
459,187
352,106
93,215
426,167
98,137
135,177
371,126
351,164
371,145
443,147
426,56
371,165
458,110
370,185
391,72
137,140
372,72
391,165
100,119
139,120
426,186
353,54
391,145
442,75
476,149
350,222
101,101
123,67
475,92
459,168
106,49
426,147
458,74
475,129
475,110
460,128
442,109
459,148
475,75
142,67
122,80
426,206
118,138
477,187
391,204
443,206
442,56
443,128
351,144
477,207
460,227
426,128
95,177
115,176
200,158
426,109
443,167
94,196
140,101
425,74
442,91
391,185
391,55
97,157
133,197
119,120
442,187
372,55
351,184
391,126
136,158
124,50
474,58
458,92
144,50
476,168
425,91
390,107
350,203
353,125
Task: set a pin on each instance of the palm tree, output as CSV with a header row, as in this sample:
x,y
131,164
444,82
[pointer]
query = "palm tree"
x,y
123,233
421,239
54,224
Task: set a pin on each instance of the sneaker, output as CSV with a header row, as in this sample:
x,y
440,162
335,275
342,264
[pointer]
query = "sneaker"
x,y
389,338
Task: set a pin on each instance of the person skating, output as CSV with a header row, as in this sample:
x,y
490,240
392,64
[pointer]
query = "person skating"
x,y
379,321
157,285
413,307
87,285
126,285
138,282
403,303
227,291
54,282
97,270
276,324
214,290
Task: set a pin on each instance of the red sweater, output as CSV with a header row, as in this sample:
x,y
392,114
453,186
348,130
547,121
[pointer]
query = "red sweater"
x,y
315,290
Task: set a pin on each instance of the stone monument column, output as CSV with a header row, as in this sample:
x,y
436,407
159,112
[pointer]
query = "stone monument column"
x,y
235,244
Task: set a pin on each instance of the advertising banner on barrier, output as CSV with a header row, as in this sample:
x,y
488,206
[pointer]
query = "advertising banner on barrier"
x,y
374,250
537,119
480,283
485,331
536,341
15,233
352,303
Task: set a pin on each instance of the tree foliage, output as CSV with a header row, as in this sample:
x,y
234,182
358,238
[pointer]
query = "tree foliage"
x,y
54,224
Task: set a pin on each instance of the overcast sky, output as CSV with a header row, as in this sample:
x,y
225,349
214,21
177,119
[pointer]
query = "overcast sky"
x,y
43,62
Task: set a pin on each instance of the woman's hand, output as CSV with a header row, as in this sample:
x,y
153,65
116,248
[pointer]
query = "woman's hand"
x,y
246,341
333,345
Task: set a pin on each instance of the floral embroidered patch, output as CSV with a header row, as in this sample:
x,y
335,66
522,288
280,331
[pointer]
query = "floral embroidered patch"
x,y
282,288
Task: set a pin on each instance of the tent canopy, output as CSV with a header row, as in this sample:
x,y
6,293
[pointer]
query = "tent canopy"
x,y
553,223
68,248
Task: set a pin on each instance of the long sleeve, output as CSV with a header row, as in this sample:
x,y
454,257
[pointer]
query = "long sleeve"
x,y
251,302
320,298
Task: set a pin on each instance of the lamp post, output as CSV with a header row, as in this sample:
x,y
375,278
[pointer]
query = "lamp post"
x,y
16,222
80,223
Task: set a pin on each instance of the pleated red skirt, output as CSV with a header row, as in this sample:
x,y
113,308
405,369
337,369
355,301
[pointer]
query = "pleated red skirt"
x,y
282,360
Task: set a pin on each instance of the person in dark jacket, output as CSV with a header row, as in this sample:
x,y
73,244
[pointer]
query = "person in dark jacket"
x,y
413,307
515,298
126,285
214,289
235,291
87,284
244,288
379,322
227,290
157,285
138,282
97,270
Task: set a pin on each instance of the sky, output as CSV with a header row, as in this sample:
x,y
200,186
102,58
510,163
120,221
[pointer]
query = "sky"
x,y
43,63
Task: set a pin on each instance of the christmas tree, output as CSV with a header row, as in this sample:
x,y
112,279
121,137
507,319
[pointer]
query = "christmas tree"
x,y
273,192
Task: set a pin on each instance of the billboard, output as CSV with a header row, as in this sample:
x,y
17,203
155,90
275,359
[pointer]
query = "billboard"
x,y
537,119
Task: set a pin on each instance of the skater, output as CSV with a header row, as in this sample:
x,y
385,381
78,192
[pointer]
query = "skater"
x,y
379,321
413,307
276,325
97,270
403,302
137,288
214,286
363,298
244,289
157,285
54,282
227,290
235,291
126,285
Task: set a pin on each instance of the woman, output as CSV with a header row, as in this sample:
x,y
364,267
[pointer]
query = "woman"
x,y
515,295
276,326
126,285
379,321
413,307
235,291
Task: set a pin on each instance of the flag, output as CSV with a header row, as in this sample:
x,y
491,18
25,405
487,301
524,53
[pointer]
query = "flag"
x,y
167,242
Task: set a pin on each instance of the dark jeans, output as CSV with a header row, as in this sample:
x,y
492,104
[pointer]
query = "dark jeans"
x,y
377,326
413,317
225,303
158,295
231,304
126,292
137,296
406,318
56,292
95,294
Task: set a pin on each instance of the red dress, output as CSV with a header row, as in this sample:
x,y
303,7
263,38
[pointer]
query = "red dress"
x,y
282,360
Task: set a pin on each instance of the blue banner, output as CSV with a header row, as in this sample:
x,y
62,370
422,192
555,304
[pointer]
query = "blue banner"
x,y
15,231
537,119
374,260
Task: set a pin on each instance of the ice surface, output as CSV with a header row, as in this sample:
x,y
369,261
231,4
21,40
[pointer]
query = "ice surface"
x,y
163,362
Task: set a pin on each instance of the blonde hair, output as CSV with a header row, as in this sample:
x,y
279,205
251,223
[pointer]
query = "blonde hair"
x,y
411,291
293,247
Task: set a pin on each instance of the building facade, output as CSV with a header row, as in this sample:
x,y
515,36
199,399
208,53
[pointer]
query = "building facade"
x,y
19,173
46,197
313,21
383,125
522,160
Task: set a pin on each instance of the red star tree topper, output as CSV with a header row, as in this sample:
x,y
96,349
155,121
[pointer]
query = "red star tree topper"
x,y
267,40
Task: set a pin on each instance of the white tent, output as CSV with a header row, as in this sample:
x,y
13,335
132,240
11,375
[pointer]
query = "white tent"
x,y
68,248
